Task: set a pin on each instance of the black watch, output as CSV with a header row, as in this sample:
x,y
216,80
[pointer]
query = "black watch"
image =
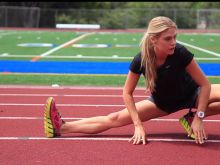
x,y
201,114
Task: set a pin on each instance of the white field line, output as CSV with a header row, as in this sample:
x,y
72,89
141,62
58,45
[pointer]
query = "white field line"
x,y
61,95
70,57
74,118
206,58
103,139
7,33
203,34
65,44
200,49
94,57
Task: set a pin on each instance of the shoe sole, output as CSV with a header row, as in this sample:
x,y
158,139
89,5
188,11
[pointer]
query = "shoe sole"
x,y
186,126
48,127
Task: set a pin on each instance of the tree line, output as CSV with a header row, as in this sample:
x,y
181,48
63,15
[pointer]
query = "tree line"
x,y
114,5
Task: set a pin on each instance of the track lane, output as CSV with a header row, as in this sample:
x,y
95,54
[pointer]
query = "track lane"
x,y
97,152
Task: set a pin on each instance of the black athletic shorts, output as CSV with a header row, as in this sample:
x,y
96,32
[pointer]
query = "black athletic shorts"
x,y
189,103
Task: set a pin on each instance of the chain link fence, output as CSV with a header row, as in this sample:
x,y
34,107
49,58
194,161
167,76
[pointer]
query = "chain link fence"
x,y
106,18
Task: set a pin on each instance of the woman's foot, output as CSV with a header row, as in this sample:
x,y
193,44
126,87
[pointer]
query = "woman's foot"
x,y
52,119
186,122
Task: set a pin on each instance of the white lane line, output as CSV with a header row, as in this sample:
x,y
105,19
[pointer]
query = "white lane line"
x,y
63,105
23,118
73,118
67,87
103,139
200,49
85,95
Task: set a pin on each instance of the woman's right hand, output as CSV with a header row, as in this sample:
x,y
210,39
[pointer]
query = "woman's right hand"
x,y
139,135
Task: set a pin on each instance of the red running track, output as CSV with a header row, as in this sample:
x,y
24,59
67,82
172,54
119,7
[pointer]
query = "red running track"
x,y
22,136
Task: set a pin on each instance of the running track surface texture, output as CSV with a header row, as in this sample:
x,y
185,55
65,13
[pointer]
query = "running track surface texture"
x,y
22,135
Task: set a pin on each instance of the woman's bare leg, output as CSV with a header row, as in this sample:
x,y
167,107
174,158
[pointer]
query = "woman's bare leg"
x,y
214,101
146,110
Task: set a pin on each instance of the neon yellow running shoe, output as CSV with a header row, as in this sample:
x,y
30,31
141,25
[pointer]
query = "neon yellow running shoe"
x,y
52,119
186,122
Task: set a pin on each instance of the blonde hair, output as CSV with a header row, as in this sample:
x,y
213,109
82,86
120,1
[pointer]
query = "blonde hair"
x,y
155,27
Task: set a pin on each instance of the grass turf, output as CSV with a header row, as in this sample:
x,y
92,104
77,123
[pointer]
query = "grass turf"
x,y
73,80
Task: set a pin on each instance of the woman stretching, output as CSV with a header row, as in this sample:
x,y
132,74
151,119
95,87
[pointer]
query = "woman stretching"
x,y
175,82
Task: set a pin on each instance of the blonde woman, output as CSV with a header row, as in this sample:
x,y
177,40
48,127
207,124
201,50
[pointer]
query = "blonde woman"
x,y
174,79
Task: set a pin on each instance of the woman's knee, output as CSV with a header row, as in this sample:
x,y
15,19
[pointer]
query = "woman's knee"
x,y
113,117
215,94
118,119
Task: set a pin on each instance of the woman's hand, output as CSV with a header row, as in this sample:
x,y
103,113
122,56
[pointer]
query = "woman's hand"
x,y
139,135
198,130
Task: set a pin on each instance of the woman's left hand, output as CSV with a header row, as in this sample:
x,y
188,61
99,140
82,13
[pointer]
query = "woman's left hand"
x,y
198,130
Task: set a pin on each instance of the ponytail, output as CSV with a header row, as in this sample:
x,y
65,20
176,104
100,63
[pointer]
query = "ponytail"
x,y
148,57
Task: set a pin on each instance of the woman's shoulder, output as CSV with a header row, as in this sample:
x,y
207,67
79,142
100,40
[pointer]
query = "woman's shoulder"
x,y
137,58
182,54
138,55
135,65
179,47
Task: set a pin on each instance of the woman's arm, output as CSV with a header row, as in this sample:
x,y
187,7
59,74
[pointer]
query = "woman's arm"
x,y
129,87
196,73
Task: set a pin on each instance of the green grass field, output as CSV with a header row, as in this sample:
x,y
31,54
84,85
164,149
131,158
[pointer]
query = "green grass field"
x,y
73,80
123,46
53,46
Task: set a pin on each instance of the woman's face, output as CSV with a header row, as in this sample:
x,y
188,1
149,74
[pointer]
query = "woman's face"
x,y
164,45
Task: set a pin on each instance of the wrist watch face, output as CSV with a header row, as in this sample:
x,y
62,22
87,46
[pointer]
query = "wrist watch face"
x,y
201,114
